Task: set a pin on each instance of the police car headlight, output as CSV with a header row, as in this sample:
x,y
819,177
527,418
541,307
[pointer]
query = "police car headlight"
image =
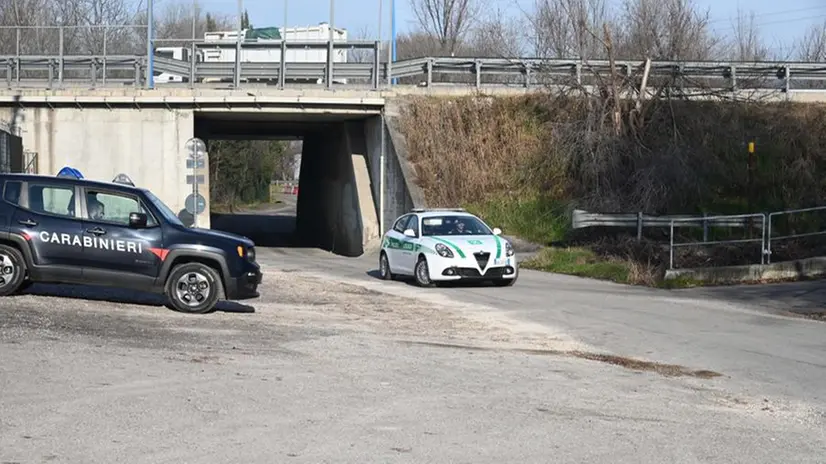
x,y
508,249
251,254
443,251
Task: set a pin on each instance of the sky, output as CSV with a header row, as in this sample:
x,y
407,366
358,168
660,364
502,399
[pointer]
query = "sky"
x,y
780,22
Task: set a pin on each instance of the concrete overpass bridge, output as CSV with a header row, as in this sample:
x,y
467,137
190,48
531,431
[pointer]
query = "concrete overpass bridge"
x,y
354,177
351,178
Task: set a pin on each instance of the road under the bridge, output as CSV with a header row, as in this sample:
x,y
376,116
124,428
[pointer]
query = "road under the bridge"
x,y
340,187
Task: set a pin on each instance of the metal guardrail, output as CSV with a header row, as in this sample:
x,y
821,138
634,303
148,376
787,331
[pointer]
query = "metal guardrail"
x,y
771,238
583,219
706,242
524,72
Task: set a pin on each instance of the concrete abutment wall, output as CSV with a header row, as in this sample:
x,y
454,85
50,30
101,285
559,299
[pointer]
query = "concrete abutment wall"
x,y
147,145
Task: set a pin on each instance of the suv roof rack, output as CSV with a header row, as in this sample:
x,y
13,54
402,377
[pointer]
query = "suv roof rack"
x,y
427,210
123,179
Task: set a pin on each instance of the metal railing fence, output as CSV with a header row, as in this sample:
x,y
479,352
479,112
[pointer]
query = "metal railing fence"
x,y
764,221
789,236
744,218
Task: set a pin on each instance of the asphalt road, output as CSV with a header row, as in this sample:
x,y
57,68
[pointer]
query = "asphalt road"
x,y
334,365
730,330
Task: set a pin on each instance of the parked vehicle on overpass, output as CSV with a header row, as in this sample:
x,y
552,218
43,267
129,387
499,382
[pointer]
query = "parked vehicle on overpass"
x,y
438,245
66,229
219,47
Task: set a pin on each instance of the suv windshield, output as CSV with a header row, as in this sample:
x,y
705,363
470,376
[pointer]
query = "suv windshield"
x,y
167,213
454,225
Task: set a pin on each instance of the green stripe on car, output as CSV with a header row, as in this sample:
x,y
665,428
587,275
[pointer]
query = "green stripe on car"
x,y
498,247
452,245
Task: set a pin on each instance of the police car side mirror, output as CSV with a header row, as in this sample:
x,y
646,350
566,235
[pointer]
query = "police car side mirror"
x,y
137,220
410,233
497,231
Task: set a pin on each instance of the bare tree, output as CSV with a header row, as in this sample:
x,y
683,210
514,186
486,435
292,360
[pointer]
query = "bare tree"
x,y
361,55
569,28
747,45
448,21
812,46
672,30
495,36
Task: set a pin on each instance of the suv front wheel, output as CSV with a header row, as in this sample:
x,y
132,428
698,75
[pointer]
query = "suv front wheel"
x,y
193,288
12,270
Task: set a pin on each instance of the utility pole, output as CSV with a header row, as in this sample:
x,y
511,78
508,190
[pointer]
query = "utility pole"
x,y
237,76
150,53
330,46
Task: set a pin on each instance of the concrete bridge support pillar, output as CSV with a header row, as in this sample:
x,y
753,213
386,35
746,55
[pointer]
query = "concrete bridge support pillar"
x,y
336,208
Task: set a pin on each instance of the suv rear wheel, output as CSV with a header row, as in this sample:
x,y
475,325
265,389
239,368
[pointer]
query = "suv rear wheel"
x,y
193,288
12,270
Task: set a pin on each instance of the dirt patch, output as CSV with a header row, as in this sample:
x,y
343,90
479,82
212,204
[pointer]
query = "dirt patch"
x,y
666,370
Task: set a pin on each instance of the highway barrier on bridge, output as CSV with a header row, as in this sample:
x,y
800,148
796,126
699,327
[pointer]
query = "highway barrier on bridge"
x,y
57,71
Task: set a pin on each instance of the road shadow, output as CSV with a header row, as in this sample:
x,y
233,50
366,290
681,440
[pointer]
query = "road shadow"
x,y
805,298
266,230
121,296
409,280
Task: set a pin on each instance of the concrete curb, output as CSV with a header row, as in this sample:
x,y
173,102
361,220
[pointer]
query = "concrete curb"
x,y
803,268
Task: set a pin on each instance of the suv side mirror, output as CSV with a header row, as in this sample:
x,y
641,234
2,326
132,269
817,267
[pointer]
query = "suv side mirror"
x,y
137,220
410,233
497,231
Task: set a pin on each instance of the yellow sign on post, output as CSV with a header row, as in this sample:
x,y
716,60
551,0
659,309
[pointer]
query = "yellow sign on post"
x,y
751,147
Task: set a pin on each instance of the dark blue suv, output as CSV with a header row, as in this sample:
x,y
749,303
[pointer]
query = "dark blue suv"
x,y
77,231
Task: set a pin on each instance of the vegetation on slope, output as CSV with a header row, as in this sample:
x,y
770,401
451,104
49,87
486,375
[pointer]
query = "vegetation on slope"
x,y
524,163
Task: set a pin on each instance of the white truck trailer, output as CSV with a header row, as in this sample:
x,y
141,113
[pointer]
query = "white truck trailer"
x,y
223,50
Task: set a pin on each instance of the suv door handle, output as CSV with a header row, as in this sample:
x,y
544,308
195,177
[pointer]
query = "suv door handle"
x,y
96,231
28,222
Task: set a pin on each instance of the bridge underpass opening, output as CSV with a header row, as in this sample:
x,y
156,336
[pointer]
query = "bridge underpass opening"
x,y
337,204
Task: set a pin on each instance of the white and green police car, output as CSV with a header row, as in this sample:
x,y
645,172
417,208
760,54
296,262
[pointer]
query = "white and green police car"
x,y
436,245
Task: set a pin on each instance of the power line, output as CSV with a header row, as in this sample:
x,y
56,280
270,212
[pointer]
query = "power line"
x,y
776,13
733,27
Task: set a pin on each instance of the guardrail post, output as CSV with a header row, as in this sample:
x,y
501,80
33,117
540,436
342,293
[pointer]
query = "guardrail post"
x,y
60,56
330,63
429,72
763,241
478,69
94,71
788,77
282,66
376,64
639,226
526,67
705,227
768,251
733,71
105,34
51,73
192,57
671,246
138,72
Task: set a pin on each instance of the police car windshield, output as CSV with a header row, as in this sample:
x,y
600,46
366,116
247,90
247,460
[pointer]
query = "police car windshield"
x,y
167,213
454,225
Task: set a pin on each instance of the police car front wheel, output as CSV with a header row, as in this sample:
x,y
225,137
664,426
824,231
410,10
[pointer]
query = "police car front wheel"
x,y
12,270
193,288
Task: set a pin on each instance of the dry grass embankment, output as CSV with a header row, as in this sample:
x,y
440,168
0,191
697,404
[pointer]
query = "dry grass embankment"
x,y
524,163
